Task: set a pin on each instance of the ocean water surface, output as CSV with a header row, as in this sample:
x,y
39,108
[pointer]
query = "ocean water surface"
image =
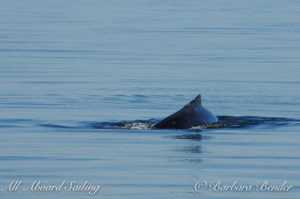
x,y
82,82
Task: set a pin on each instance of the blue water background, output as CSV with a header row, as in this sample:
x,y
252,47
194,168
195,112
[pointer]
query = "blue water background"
x,y
75,63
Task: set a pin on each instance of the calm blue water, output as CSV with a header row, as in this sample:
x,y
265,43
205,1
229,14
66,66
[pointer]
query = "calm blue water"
x,y
68,67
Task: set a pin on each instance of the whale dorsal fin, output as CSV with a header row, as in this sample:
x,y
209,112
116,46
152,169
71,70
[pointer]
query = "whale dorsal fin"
x,y
197,100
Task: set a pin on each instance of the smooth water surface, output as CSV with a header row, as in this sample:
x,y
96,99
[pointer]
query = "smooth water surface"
x,y
68,67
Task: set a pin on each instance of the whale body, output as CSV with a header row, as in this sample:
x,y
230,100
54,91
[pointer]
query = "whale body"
x,y
192,114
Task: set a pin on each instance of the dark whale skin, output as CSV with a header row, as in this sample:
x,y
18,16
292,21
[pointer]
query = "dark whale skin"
x,y
192,114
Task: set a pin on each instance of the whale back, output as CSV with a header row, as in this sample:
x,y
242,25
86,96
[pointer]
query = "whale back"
x,y
192,114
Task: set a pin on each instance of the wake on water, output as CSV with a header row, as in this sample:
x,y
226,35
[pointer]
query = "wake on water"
x,y
224,122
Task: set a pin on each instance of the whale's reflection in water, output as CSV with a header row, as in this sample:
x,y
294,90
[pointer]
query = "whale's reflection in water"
x,y
194,136
192,150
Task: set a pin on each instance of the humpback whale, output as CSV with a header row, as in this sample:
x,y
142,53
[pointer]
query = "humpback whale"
x,y
192,114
